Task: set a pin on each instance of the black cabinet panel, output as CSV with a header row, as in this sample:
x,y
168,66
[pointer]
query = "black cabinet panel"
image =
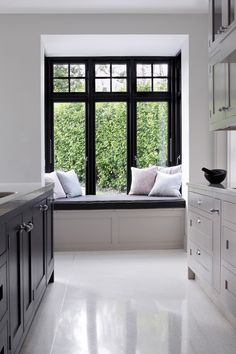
x,y
38,248
15,280
4,340
3,243
50,241
3,290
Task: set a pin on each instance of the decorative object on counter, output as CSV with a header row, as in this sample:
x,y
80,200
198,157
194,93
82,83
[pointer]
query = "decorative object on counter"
x,y
214,176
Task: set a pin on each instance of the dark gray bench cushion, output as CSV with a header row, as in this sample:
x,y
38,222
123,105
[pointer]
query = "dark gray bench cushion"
x,y
119,201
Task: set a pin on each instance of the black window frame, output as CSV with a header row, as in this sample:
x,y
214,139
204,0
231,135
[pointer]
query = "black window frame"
x,y
131,96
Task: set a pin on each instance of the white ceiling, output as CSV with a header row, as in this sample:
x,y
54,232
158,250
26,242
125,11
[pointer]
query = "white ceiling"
x,y
112,45
104,6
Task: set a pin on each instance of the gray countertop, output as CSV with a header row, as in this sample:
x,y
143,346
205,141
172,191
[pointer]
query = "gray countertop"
x,y
23,193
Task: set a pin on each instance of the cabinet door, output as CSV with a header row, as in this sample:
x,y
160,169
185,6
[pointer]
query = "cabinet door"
x,y
28,298
15,281
231,86
38,250
50,241
217,86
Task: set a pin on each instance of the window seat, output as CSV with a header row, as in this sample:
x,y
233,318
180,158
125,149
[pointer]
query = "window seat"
x,y
119,201
118,222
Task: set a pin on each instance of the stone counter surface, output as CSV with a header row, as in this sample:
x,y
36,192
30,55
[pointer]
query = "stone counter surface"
x,y
221,191
23,193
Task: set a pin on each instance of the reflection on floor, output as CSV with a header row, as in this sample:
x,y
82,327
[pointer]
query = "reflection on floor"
x,y
127,303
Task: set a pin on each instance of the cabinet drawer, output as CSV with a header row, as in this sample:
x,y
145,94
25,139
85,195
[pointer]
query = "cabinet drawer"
x,y
3,243
228,245
200,230
3,290
201,202
229,212
3,340
200,262
228,289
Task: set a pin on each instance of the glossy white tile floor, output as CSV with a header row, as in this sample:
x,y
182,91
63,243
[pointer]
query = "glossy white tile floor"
x,y
127,303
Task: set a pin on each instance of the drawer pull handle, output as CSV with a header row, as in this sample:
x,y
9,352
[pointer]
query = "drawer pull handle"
x,y
199,202
199,221
212,210
1,295
190,251
226,284
198,253
227,244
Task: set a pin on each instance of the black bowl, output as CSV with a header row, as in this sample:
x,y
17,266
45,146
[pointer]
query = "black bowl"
x,y
217,178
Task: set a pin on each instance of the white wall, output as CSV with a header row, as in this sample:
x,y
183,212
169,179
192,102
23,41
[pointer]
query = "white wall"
x,y
21,158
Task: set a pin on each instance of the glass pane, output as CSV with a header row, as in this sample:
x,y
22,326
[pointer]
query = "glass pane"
x,y
119,85
231,11
160,70
77,85
144,70
60,85
102,85
102,70
60,70
77,70
152,133
144,85
160,85
119,70
217,18
69,138
111,148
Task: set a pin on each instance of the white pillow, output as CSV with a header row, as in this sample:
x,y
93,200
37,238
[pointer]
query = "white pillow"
x,y
167,185
170,170
58,190
70,183
142,180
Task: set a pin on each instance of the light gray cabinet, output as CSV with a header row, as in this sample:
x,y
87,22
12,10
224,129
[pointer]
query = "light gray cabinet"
x,y
222,19
212,244
222,89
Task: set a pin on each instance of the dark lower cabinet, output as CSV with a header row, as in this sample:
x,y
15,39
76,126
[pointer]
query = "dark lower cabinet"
x,y
49,241
15,281
25,268
39,249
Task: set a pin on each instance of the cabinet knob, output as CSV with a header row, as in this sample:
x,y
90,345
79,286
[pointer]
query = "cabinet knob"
x,y
198,253
199,202
43,207
212,210
223,29
198,220
220,109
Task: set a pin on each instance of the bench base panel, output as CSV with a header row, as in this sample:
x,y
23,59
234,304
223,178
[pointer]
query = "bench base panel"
x,y
85,230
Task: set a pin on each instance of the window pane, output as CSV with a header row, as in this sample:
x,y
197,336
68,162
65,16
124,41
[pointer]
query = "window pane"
x,y
160,85
144,70
69,138
119,85
102,70
60,85
119,70
111,148
102,85
152,133
77,85
144,85
160,70
60,70
77,70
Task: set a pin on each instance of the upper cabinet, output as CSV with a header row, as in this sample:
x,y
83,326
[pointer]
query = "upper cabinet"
x,y
222,20
222,65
